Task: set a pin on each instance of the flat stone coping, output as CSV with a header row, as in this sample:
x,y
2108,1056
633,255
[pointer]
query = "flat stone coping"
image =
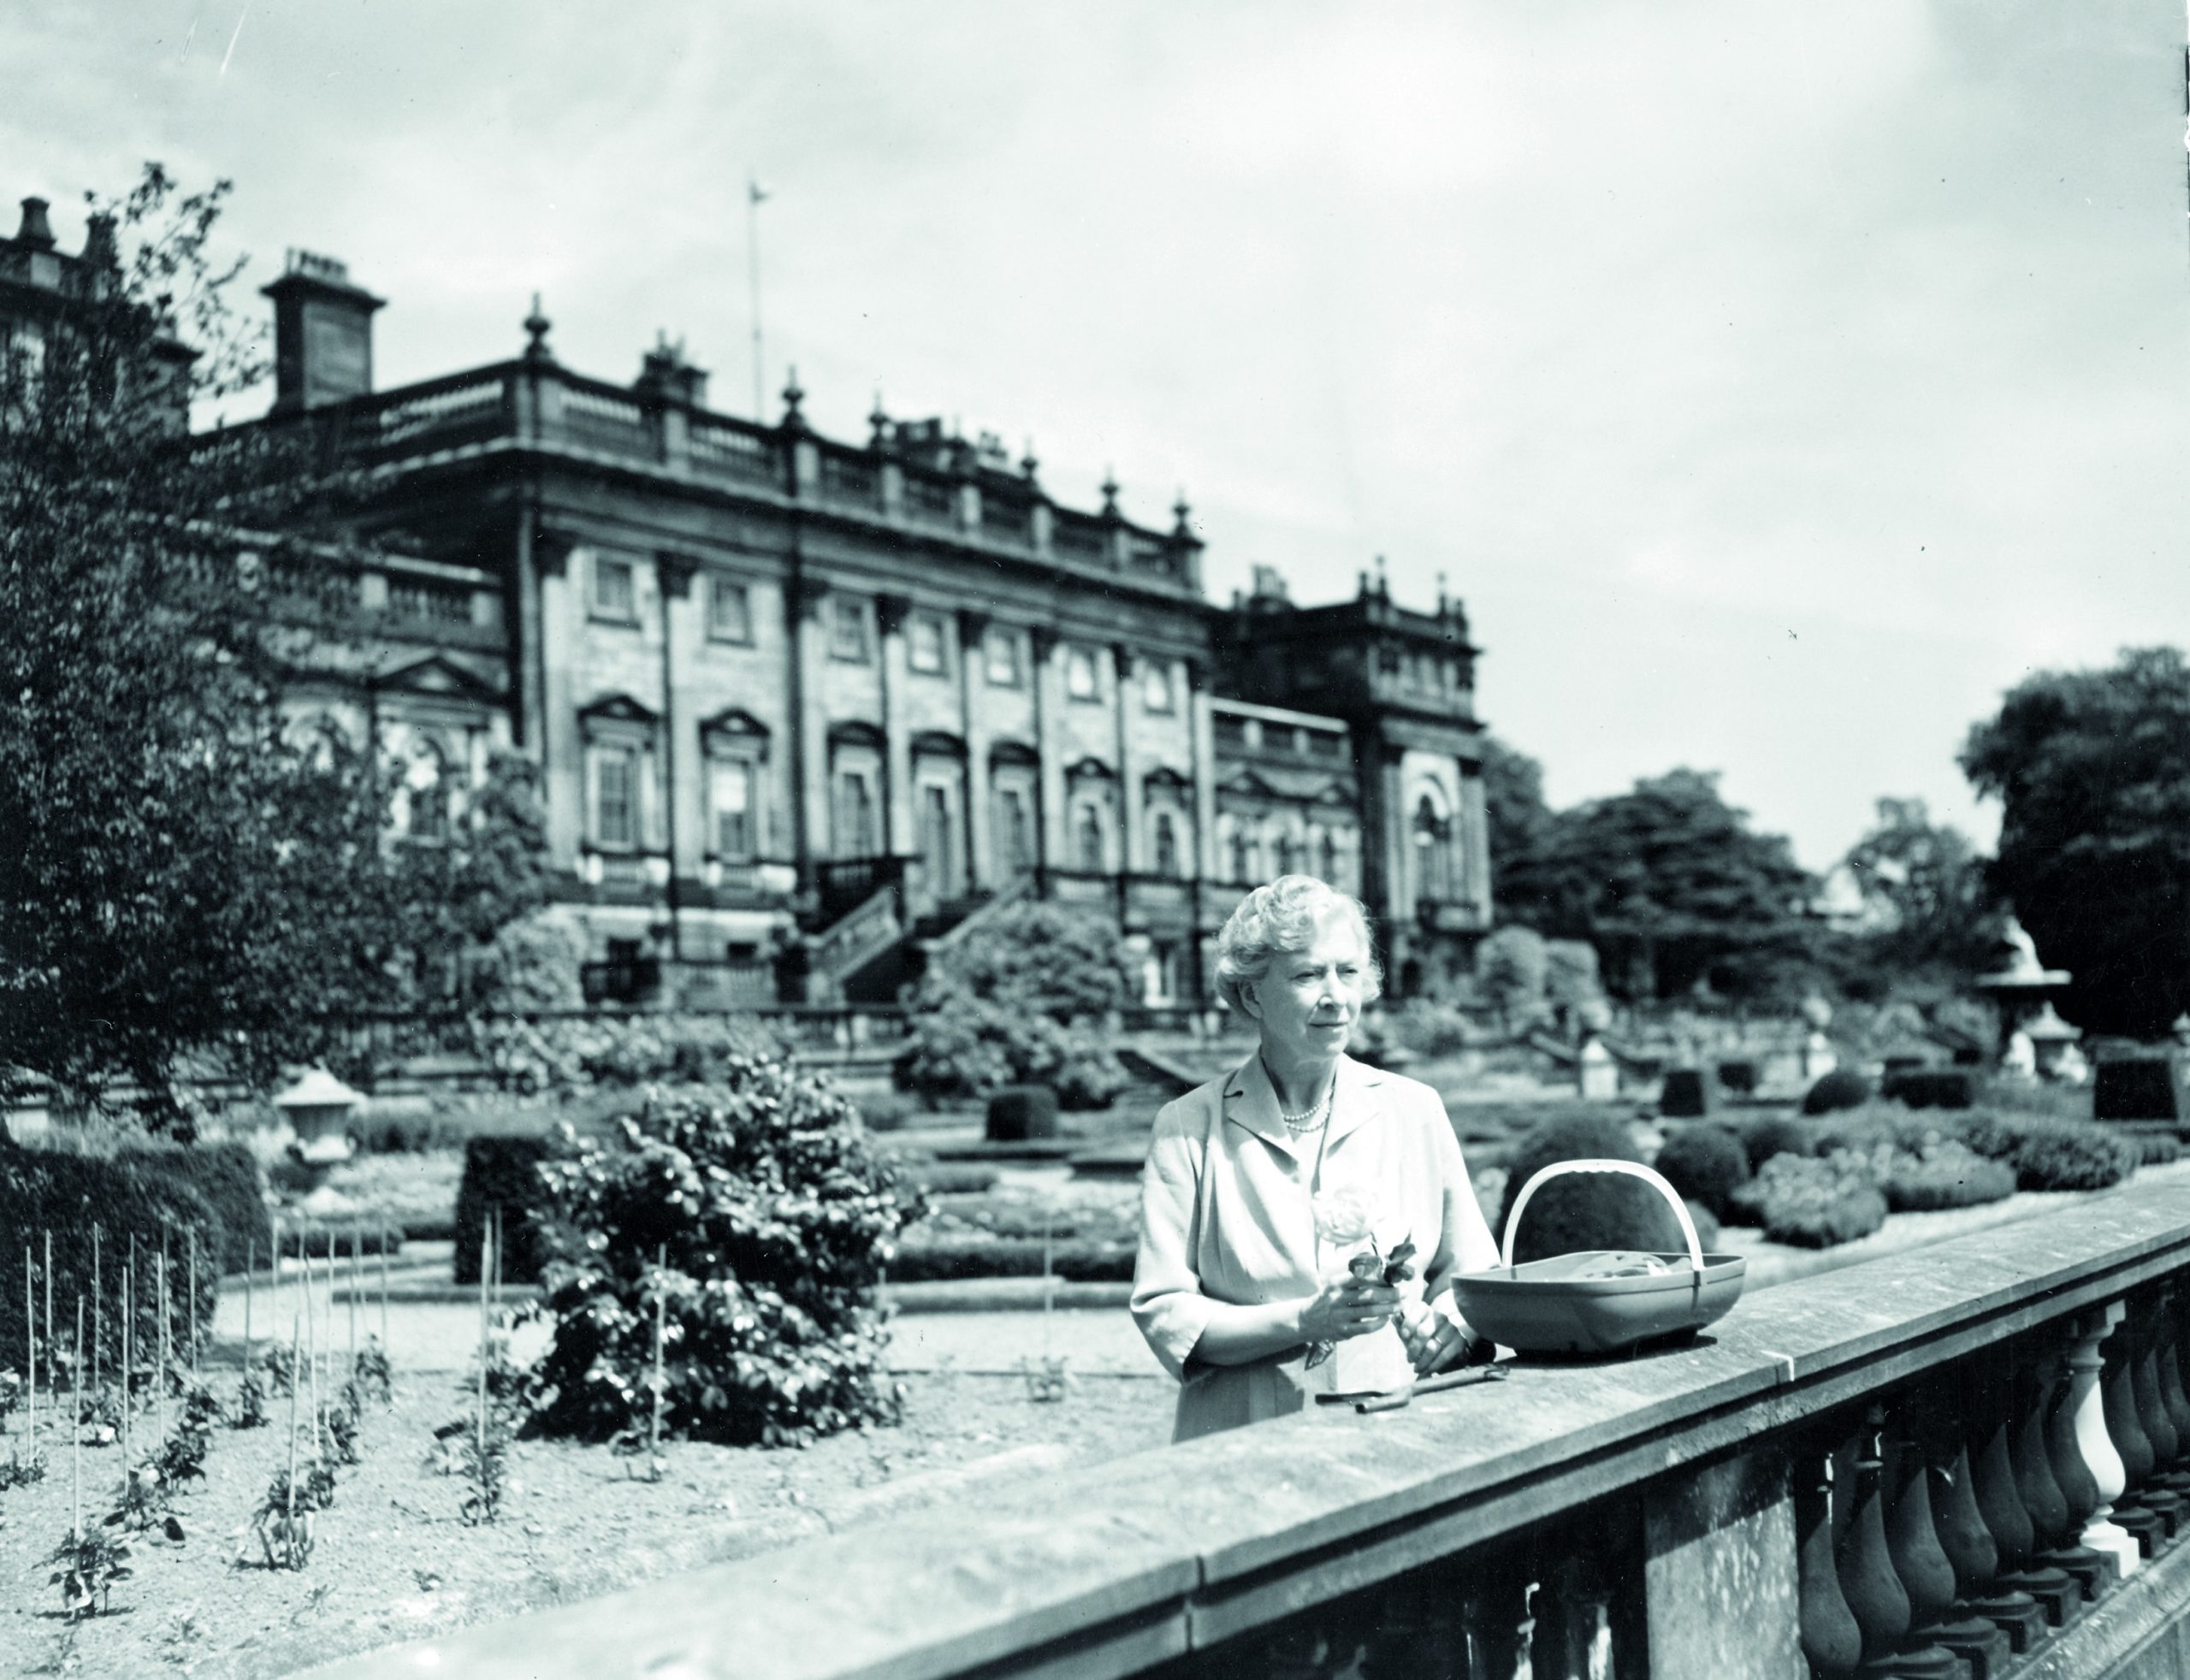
x,y
1120,1563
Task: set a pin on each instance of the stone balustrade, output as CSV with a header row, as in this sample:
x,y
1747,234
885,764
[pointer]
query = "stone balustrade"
x,y
1971,1460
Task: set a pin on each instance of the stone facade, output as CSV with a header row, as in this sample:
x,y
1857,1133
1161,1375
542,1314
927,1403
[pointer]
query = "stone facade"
x,y
786,689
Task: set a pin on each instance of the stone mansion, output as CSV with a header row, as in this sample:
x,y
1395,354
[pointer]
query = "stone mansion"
x,y
801,703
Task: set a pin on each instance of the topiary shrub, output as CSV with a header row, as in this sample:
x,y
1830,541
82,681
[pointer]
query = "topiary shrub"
x,y
1020,1114
227,1176
1738,1076
775,1217
2157,1148
1706,1163
123,1196
1024,1000
1686,1094
1930,1087
1842,1088
504,1173
1774,1134
1584,1210
2135,1087
2060,1154
1813,1202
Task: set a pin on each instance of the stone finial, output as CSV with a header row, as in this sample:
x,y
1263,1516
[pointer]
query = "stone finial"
x,y
1181,512
1109,493
36,231
101,249
1444,604
1383,583
535,331
794,394
1029,462
878,424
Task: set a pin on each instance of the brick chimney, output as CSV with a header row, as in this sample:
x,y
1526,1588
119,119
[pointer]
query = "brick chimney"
x,y
322,334
36,231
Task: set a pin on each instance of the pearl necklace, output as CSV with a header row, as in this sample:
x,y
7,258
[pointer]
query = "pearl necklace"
x,y
1310,1118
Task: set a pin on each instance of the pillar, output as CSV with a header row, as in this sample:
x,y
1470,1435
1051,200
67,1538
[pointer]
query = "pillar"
x,y
973,710
684,788
1131,860
562,761
897,798
803,600
1049,741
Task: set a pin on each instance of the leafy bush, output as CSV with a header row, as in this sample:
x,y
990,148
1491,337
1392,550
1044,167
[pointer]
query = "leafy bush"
x,y
2135,1087
776,1217
886,1110
1815,1203
533,964
123,1196
561,1055
1705,1162
504,1173
955,1259
1428,1028
227,1176
1024,1000
1930,1087
1947,1174
1774,1134
2056,1155
1842,1088
1019,1113
1686,1094
2157,1148
1583,1210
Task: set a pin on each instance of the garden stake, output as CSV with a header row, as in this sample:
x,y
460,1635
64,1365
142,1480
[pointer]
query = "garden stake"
x,y
383,1290
194,1308
76,1430
274,1279
51,1378
160,1376
356,1264
326,1282
291,1512
311,1361
128,1405
97,1326
250,1260
1049,1288
30,1348
660,1328
486,1250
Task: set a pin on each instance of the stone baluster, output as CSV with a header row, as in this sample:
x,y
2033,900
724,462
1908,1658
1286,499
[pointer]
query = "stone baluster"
x,y
1326,1645
1831,1639
2101,1533
1967,1545
2117,1384
1572,1603
2161,1492
1496,1613
1873,1591
1913,1542
2165,1341
2093,1571
1987,1394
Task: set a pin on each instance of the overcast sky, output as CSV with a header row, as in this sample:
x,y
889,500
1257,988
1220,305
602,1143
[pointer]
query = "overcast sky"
x,y
1776,385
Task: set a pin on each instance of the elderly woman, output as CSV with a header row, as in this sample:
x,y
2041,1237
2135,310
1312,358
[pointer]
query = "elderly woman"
x,y
1265,1190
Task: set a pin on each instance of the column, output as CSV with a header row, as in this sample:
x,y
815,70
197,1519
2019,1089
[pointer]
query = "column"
x,y
1204,770
1475,818
523,622
898,798
1048,699
562,760
804,600
1132,848
973,710
684,786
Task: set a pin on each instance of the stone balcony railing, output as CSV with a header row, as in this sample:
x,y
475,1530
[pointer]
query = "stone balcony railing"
x,y
1917,1465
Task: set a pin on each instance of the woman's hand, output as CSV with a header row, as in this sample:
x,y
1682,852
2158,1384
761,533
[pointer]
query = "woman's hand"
x,y
1348,1307
1434,1341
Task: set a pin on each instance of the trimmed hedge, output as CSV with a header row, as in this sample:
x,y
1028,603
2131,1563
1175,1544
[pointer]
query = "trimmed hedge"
x,y
1813,1202
1950,1175
1842,1088
1687,1094
504,1172
1930,1088
1706,1163
1020,1114
1583,1210
2157,1148
1773,1135
120,1196
945,1178
2135,1087
954,1258
227,1176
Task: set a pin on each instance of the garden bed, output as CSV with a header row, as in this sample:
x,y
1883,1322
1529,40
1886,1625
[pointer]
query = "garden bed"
x,y
394,1561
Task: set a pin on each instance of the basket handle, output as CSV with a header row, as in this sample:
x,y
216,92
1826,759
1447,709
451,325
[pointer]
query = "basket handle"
x,y
1634,1169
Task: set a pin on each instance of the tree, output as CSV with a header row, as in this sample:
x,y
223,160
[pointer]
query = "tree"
x,y
1930,920
1519,826
1675,889
2091,769
189,875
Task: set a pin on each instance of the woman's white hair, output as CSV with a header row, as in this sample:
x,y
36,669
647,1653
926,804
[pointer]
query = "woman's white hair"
x,y
1278,920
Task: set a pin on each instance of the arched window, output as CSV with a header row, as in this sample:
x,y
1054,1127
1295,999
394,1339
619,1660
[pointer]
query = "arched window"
x,y
1088,840
855,831
1433,852
1166,846
1015,846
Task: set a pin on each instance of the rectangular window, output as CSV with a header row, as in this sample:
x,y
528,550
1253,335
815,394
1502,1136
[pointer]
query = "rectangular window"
x,y
924,642
1155,685
1000,654
614,594
735,835
615,797
730,611
847,636
1080,680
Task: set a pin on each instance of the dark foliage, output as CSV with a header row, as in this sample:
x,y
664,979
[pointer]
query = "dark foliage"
x,y
1815,1203
1689,1093
1842,1088
123,1196
1021,1113
1930,1087
504,1173
1931,920
2141,1087
1584,1210
1706,1163
227,1176
2091,769
776,1218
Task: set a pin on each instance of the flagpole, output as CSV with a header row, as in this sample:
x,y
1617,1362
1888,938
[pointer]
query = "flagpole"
x,y
754,196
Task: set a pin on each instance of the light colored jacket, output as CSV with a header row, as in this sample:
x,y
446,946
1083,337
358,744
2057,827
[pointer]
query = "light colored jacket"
x,y
1228,1221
